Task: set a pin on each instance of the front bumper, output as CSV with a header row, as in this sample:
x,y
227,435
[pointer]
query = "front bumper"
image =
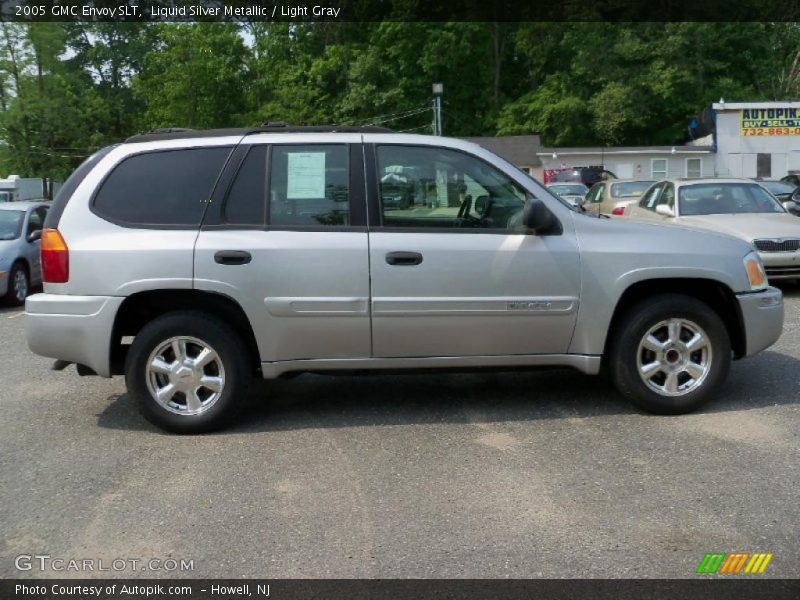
x,y
72,328
762,316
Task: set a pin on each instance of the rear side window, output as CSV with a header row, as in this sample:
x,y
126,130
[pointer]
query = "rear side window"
x,y
161,188
309,186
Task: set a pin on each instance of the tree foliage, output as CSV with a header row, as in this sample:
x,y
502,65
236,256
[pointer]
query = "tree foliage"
x,y
69,88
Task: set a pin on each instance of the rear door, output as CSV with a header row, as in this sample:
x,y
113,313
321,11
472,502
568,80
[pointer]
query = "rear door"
x,y
286,238
453,273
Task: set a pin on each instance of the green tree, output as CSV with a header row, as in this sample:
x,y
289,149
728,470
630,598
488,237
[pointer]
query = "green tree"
x,y
193,76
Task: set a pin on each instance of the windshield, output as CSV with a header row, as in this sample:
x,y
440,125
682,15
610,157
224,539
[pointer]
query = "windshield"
x,y
629,188
11,224
778,187
5,196
569,189
725,198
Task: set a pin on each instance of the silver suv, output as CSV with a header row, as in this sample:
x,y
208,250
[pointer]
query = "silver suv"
x,y
192,260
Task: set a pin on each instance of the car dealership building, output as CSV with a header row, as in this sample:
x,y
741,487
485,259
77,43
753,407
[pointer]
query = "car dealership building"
x,y
731,139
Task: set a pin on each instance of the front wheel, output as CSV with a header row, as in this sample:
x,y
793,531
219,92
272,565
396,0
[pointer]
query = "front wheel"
x,y
188,371
671,354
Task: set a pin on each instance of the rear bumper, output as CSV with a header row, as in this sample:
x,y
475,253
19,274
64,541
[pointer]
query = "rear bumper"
x,y
72,328
762,315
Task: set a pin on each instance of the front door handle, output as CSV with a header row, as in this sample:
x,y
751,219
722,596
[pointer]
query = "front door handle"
x,y
404,259
233,257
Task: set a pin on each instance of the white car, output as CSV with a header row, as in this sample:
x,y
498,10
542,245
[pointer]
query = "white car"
x,y
739,207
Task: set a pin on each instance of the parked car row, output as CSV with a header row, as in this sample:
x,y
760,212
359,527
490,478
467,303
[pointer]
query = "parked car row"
x,y
763,212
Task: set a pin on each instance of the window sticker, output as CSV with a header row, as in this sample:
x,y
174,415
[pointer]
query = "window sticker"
x,y
305,175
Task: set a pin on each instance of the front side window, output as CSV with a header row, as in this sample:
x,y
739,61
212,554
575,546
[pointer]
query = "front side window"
x,y
596,195
309,186
726,198
658,168
668,196
650,198
36,220
171,187
441,188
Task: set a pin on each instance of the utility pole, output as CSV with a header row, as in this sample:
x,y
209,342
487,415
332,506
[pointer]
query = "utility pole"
x,y
438,90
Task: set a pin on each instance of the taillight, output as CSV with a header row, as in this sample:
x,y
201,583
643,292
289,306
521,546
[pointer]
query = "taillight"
x,y
55,257
618,211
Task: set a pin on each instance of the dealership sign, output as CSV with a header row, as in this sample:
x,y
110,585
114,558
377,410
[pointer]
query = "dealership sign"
x,y
770,121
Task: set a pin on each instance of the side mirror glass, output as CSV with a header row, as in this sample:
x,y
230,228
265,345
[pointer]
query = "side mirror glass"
x,y
35,235
665,210
537,217
792,206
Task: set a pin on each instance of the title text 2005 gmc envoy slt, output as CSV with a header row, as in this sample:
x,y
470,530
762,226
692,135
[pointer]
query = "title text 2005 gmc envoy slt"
x,y
192,260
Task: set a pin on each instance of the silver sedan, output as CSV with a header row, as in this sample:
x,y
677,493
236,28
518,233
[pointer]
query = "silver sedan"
x,y
20,266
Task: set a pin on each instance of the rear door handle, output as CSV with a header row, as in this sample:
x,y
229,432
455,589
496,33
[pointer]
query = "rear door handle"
x,y
404,259
233,257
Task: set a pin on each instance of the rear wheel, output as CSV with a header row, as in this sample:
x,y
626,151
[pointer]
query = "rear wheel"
x,y
18,285
188,371
671,354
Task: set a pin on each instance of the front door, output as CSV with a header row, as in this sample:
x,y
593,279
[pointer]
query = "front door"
x,y
453,272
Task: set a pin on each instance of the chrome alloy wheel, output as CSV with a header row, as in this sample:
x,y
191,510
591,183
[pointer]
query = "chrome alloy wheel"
x,y
674,357
20,285
185,375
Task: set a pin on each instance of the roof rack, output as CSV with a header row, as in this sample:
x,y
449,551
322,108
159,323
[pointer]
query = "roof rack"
x,y
170,133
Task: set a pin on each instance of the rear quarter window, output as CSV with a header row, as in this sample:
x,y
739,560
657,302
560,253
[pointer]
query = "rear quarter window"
x,y
161,188
71,184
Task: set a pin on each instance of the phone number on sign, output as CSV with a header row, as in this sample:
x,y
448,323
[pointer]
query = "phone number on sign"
x,y
772,131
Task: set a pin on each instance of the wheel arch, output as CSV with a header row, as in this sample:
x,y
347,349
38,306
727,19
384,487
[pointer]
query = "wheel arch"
x,y
718,296
142,307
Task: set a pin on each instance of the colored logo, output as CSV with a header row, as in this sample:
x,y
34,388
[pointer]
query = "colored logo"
x,y
734,563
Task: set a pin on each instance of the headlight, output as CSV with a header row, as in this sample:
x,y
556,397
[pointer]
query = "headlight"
x,y
755,271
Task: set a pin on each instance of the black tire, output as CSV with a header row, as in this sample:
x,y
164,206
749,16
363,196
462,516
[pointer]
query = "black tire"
x,y
230,350
18,270
625,350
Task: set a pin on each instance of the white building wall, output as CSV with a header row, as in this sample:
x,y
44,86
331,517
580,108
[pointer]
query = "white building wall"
x,y
637,165
737,155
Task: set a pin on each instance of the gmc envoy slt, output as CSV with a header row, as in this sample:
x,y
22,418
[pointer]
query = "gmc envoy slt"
x,y
190,261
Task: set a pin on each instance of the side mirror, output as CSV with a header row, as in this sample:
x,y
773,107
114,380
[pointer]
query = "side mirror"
x,y
792,206
35,235
664,210
537,217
